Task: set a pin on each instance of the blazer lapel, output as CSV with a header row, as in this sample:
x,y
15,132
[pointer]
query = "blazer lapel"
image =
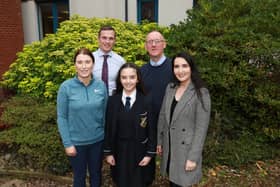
x,y
186,97
119,101
138,100
170,96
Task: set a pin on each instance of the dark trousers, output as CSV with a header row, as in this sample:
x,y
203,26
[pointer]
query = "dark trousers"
x,y
88,157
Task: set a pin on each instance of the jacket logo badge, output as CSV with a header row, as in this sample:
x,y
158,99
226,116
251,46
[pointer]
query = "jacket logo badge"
x,y
96,91
143,120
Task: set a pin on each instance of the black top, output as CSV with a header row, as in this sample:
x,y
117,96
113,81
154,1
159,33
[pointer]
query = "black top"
x,y
173,105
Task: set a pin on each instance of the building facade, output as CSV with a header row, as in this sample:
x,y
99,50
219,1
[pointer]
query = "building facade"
x,y
41,17
11,32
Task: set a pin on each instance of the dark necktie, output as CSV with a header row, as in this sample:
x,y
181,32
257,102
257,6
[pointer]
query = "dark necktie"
x,y
127,103
105,71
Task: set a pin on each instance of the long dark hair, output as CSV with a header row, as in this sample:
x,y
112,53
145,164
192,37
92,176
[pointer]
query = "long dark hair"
x,y
139,85
195,76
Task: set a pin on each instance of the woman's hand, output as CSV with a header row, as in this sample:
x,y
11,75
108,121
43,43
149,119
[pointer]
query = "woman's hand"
x,y
145,161
190,165
111,160
71,151
159,150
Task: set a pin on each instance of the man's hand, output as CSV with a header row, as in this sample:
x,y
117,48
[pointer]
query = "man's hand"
x,y
159,150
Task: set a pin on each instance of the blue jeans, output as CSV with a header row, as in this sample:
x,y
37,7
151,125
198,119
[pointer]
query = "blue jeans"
x,y
88,157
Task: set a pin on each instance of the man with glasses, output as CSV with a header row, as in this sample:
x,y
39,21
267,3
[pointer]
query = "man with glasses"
x,y
107,62
156,74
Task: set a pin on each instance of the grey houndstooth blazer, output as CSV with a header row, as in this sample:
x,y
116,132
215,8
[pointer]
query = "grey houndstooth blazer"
x,y
187,130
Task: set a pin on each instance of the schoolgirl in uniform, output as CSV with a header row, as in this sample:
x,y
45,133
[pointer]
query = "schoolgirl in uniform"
x,y
130,135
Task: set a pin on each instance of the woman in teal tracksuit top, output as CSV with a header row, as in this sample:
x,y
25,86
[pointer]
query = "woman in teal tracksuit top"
x,y
81,105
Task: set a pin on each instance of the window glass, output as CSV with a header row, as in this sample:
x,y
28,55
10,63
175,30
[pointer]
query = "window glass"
x,y
46,18
148,10
63,12
51,13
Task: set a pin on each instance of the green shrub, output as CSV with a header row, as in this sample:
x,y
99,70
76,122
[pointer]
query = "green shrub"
x,y
248,148
237,48
224,146
41,67
33,134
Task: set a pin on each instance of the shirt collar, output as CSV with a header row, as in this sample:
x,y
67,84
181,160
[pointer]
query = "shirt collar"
x,y
132,97
101,53
161,60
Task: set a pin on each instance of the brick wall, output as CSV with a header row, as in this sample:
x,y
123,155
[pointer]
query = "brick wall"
x,y
11,32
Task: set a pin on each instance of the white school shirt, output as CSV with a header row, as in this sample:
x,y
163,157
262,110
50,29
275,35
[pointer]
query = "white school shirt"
x,y
132,97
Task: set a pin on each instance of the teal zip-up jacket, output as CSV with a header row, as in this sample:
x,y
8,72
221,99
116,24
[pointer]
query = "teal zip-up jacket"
x,y
81,111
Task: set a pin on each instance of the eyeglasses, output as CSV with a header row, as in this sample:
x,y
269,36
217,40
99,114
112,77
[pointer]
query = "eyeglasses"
x,y
156,42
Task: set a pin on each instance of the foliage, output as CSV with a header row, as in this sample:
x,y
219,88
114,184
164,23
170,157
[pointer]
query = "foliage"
x,y
237,45
33,132
42,66
247,148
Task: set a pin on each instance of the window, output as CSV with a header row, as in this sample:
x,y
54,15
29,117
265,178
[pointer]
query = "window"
x,y
51,13
195,3
147,10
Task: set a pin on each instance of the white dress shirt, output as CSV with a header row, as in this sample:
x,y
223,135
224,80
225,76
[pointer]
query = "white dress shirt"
x,y
114,61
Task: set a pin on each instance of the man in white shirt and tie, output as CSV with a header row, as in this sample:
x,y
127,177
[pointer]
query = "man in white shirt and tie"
x,y
107,62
